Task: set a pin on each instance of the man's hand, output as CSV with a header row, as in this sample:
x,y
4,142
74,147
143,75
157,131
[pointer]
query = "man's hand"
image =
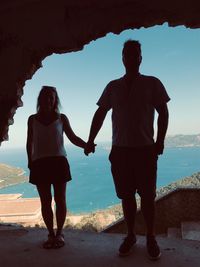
x,y
29,164
89,148
97,122
159,147
163,116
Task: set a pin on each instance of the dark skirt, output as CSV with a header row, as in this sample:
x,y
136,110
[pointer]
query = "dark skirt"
x,y
50,170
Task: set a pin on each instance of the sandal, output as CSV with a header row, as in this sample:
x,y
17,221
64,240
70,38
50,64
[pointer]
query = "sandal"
x,y
59,241
49,243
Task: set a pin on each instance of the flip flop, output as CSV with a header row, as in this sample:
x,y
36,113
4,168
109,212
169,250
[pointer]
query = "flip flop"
x,y
59,241
49,243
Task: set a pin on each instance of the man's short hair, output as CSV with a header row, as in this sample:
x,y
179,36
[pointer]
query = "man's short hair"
x,y
131,45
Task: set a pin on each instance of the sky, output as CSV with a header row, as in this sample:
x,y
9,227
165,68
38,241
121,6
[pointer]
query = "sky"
x,y
172,54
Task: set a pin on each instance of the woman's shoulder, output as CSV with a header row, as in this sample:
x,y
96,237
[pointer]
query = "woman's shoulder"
x,y
63,117
30,120
31,117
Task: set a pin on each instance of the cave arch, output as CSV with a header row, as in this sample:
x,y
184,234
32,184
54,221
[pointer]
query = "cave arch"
x,y
34,29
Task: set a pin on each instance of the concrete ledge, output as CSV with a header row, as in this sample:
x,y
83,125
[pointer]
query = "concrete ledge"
x,y
174,233
190,230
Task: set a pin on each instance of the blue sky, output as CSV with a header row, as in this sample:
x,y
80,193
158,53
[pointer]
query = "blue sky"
x,y
171,54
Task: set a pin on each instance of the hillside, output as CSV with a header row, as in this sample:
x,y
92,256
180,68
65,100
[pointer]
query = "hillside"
x,y
97,221
10,175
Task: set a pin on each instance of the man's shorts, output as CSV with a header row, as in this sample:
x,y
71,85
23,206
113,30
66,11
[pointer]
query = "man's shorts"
x,y
134,170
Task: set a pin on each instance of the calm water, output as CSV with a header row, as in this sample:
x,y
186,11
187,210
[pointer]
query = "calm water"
x,y
91,187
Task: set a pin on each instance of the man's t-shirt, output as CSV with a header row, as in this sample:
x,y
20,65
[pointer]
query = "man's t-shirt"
x,y
133,109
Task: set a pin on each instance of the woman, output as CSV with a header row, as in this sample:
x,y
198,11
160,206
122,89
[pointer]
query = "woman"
x,y
47,160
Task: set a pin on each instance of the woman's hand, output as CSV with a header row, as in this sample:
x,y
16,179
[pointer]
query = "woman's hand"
x,y
89,148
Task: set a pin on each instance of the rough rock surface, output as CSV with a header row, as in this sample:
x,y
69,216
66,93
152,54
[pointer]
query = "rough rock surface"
x,y
31,30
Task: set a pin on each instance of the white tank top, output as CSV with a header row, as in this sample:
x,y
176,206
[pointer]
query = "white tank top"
x,y
48,139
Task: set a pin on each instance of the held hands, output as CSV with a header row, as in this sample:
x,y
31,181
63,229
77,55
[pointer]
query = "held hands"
x,y
89,148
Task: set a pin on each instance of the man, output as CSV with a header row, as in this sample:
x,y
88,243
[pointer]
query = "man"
x,y
133,99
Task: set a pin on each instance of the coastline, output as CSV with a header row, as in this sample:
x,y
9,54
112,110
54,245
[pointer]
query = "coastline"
x,y
170,171
98,220
10,175
13,184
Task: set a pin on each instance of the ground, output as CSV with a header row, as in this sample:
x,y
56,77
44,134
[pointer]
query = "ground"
x,y
23,246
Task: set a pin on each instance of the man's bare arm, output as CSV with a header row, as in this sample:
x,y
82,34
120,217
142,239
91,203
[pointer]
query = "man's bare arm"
x,y
96,125
163,117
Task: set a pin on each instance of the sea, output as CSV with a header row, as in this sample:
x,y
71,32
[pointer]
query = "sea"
x,y
91,187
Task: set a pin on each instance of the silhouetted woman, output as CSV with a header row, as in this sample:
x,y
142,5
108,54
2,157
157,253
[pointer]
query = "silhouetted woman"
x,y
47,160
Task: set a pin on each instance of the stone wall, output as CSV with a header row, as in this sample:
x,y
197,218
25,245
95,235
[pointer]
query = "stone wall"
x,y
179,205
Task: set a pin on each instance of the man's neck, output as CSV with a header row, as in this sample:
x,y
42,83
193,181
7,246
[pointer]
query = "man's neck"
x,y
131,75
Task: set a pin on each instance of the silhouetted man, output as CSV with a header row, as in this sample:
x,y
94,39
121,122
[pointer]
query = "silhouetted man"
x,y
133,99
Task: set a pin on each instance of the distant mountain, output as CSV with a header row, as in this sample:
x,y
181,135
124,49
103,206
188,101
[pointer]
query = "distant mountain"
x,y
181,140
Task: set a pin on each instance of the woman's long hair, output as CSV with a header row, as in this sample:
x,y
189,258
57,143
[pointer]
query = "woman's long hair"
x,y
45,89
